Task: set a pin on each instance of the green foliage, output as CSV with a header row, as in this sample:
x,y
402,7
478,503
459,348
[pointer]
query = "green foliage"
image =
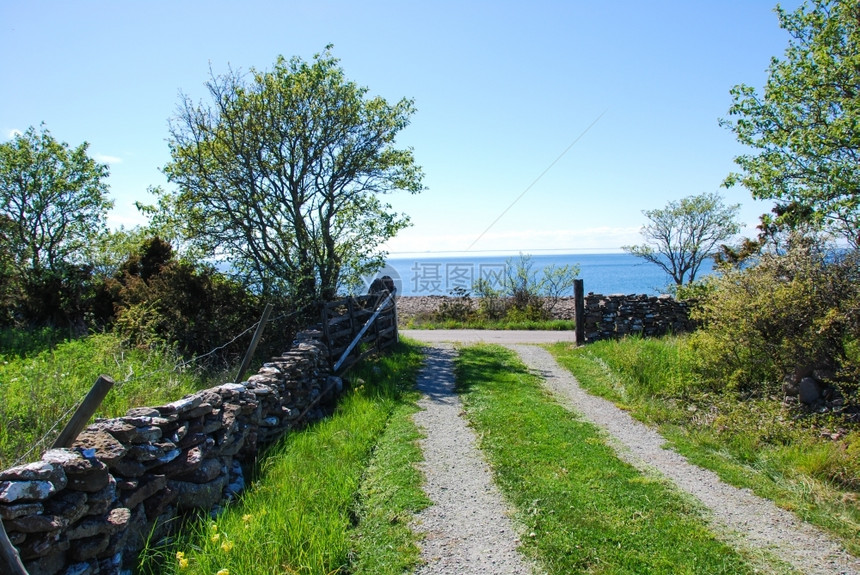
x,y
584,509
803,127
692,292
526,295
40,389
53,202
21,343
807,464
457,308
283,175
160,300
307,511
532,294
789,315
681,236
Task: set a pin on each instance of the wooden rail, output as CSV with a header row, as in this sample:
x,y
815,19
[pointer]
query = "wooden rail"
x,y
358,326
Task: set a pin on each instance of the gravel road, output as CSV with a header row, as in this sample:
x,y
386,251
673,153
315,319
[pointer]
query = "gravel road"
x,y
468,528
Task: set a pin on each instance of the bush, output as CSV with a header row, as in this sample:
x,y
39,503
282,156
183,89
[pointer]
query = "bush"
x,y
160,300
459,308
787,317
525,294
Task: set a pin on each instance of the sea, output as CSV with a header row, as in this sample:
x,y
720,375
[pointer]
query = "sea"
x,y
610,273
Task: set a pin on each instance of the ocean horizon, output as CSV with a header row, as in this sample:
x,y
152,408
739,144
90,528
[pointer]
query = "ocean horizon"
x,y
608,273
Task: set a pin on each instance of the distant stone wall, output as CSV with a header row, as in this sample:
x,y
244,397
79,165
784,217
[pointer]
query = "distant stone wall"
x,y
606,316
89,509
614,316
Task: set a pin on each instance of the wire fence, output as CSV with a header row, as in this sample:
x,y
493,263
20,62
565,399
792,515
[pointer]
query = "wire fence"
x,y
176,368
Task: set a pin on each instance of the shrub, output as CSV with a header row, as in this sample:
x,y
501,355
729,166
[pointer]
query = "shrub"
x,y
525,294
788,316
459,308
161,300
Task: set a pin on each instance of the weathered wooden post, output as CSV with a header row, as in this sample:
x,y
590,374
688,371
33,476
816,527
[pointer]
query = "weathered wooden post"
x,y
10,561
579,310
258,333
84,412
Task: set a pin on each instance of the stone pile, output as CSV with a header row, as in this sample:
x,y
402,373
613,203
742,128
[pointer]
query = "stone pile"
x,y
88,509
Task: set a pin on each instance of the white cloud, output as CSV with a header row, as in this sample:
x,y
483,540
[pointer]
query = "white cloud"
x,y
105,159
14,132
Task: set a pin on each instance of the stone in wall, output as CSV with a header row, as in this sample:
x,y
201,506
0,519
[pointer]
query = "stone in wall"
x,y
89,509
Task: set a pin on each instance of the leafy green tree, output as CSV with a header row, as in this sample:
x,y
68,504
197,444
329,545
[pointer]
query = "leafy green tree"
x,y
54,200
283,173
681,236
804,127
53,204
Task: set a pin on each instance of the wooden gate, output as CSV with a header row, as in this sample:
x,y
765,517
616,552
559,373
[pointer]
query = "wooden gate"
x,y
357,326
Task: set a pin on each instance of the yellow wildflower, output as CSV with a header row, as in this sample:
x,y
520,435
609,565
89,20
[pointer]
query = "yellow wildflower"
x,y
227,546
215,537
223,572
183,563
180,555
247,517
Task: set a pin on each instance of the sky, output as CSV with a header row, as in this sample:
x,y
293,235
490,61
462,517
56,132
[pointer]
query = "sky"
x,y
541,127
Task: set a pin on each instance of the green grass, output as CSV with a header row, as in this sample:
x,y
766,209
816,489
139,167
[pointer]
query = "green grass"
x,y
333,498
756,443
40,389
19,343
584,510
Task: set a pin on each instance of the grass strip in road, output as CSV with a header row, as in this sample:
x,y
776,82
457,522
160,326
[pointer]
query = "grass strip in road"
x,y
390,495
750,442
584,510
324,498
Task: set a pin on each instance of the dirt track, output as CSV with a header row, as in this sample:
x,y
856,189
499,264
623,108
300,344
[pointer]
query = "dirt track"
x,y
742,518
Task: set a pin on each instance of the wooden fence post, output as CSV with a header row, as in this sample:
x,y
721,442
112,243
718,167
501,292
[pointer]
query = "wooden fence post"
x,y
579,310
258,333
84,412
10,561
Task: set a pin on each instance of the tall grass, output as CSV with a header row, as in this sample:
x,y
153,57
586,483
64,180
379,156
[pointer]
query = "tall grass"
x,y
322,501
40,389
585,511
809,464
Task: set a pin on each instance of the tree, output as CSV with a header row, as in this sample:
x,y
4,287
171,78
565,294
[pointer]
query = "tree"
x,y
282,175
804,127
685,233
54,201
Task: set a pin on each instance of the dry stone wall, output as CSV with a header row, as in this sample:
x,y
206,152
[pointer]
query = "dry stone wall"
x,y
88,510
606,316
614,316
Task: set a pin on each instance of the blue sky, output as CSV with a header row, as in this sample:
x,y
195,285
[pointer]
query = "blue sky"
x,y
502,90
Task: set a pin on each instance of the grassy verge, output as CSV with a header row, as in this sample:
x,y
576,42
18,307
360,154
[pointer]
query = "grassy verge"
x,y
333,498
808,465
585,511
38,387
